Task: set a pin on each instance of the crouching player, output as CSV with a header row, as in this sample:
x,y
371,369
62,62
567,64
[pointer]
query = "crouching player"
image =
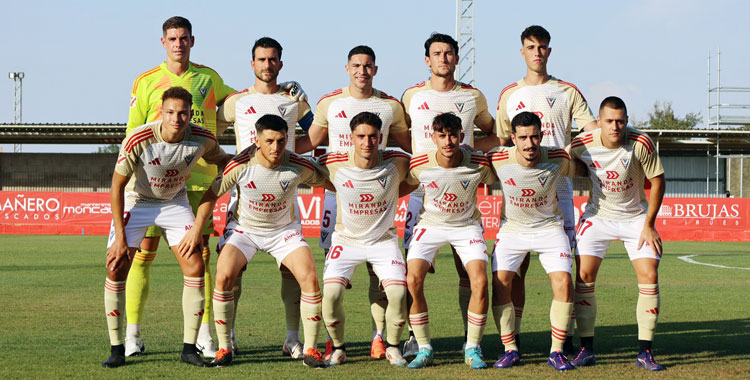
x,y
618,158
266,176
531,221
450,177
159,157
367,185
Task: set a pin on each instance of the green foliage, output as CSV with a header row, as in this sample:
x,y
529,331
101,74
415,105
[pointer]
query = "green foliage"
x,y
663,117
111,148
53,323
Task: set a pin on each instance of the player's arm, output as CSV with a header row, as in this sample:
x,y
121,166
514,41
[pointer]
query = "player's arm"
x,y
138,107
117,254
485,144
193,238
405,188
502,122
581,111
315,137
579,168
225,116
590,126
217,156
306,116
649,234
485,123
318,176
410,181
403,140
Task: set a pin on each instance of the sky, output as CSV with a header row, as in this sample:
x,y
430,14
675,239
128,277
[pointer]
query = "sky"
x,y
80,57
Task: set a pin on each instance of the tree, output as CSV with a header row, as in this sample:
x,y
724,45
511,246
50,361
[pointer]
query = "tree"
x,y
663,117
111,148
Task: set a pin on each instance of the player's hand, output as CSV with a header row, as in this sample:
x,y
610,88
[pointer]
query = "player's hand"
x,y
117,255
650,236
190,242
295,90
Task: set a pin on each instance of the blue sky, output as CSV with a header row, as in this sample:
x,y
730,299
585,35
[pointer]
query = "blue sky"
x,y
81,57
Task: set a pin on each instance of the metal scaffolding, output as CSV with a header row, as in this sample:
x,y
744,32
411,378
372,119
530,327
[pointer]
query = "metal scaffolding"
x,y
17,79
465,38
714,117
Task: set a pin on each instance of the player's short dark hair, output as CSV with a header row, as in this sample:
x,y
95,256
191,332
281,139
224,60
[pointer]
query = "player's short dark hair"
x,y
177,93
361,49
368,118
267,42
526,119
614,103
272,122
439,37
536,31
177,22
447,122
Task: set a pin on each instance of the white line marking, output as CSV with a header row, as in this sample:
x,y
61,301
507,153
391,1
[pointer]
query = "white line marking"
x,y
688,259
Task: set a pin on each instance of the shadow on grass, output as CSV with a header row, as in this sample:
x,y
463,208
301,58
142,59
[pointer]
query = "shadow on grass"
x,y
677,342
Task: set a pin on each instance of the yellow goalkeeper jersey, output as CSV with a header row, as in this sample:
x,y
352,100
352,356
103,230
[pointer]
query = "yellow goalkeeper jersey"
x,y
208,90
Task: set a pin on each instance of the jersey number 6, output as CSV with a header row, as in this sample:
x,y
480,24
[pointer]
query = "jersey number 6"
x,y
335,252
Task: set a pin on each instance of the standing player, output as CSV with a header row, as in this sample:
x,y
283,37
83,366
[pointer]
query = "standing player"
x,y
442,94
557,103
208,91
159,157
367,183
332,124
618,158
244,109
450,176
530,221
266,179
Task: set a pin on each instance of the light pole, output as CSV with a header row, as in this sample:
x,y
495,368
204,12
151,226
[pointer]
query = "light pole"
x,y
17,78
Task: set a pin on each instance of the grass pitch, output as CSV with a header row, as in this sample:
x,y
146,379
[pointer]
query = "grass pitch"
x,y
52,323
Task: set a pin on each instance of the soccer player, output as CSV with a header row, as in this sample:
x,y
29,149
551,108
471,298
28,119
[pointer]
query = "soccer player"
x,y
244,108
450,177
530,221
367,184
618,158
557,103
266,178
208,91
159,157
331,124
441,94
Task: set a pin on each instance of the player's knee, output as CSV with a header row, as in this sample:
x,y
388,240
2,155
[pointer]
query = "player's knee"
x,y
395,293
585,276
308,281
332,293
562,286
223,281
478,284
119,274
194,266
415,282
649,277
503,282
496,282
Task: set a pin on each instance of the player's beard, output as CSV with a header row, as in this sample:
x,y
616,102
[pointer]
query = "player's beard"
x,y
271,77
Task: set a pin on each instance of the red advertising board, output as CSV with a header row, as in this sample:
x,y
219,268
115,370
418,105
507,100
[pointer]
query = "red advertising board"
x,y
687,219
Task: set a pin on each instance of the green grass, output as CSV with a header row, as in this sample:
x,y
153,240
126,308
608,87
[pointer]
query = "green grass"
x,y
52,323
